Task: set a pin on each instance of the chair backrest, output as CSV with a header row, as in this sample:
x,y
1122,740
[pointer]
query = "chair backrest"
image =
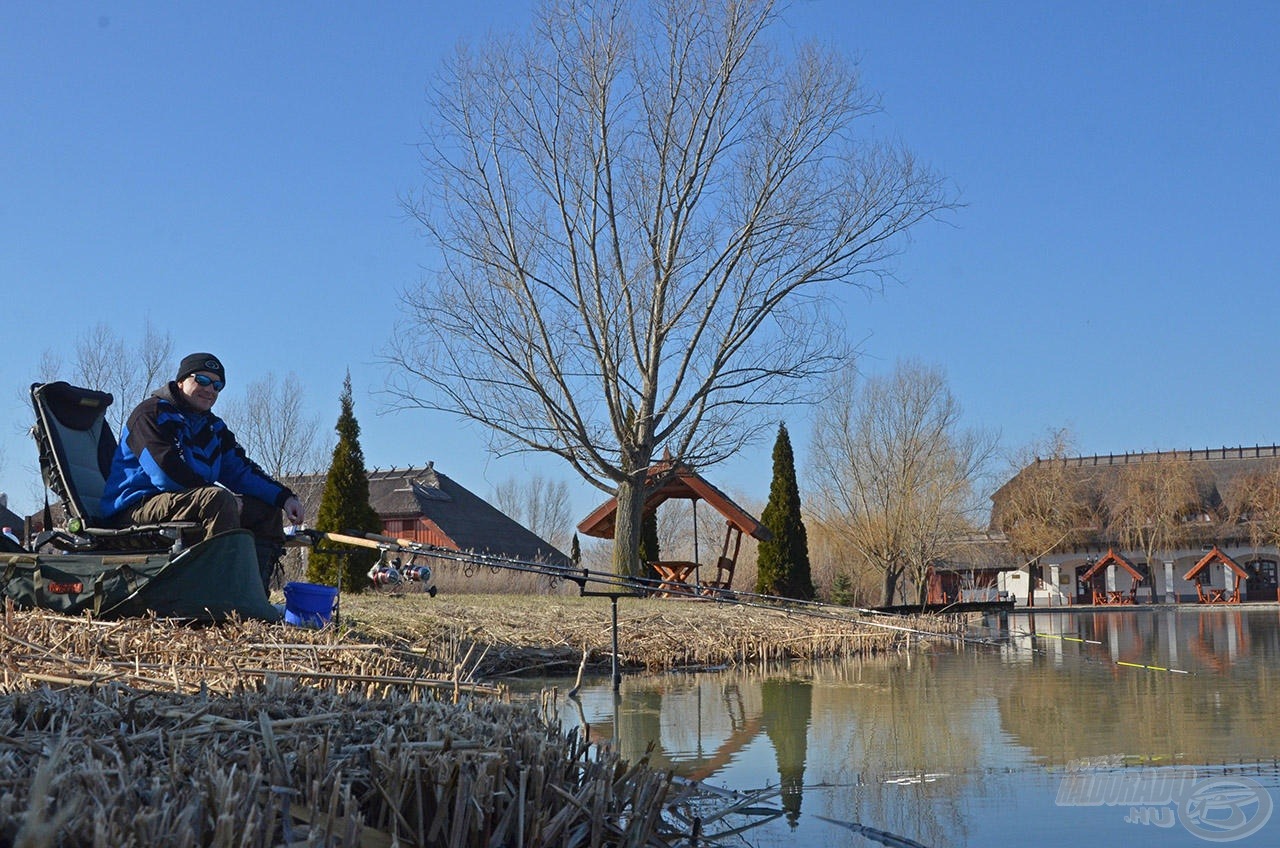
x,y
76,445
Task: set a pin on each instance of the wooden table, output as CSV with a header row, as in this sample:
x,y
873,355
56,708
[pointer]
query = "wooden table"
x,y
674,575
1214,596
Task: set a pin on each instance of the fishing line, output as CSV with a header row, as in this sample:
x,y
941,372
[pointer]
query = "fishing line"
x,y
1082,641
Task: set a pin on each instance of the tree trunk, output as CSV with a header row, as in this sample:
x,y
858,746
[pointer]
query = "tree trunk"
x,y
627,529
890,585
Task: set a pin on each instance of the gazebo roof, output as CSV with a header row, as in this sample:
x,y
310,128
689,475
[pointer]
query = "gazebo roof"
x,y
1215,555
675,480
1112,557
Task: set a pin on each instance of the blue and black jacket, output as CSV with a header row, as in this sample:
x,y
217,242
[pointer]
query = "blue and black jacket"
x,y
166,446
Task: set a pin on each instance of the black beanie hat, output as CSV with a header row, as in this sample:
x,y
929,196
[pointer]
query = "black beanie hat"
x,y
200,362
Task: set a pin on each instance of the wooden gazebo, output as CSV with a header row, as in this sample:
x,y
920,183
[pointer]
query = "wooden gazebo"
x,y
1113,596
1208,594
669,479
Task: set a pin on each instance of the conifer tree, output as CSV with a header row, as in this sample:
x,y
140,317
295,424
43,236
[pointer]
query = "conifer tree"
x,y
783,562
345,506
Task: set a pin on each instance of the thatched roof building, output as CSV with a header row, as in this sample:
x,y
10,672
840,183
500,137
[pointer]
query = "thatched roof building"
x,y
1224,481
424,505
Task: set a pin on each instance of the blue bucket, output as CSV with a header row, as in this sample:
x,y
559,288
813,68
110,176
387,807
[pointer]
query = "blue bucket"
x,y
308,604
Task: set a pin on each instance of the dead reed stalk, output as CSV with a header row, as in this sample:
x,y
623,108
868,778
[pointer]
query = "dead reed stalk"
x,y
145,732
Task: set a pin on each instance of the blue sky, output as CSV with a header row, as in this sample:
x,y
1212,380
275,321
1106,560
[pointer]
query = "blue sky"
x,y
232,171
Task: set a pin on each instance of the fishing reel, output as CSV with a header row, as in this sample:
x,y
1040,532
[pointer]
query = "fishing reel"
x,y
383,575
389,571
418,573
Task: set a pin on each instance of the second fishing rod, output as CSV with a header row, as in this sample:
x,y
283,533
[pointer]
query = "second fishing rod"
x,y
634,586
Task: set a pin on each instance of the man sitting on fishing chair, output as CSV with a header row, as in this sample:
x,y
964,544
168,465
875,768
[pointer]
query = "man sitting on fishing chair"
x,y
172,452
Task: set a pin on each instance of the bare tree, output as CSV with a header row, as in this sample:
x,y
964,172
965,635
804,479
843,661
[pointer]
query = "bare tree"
x,y
639,207
834,567
154,357
49,368
106,361
541,505
269,419
1253,500
1151,503
893,471
100,354
1044,504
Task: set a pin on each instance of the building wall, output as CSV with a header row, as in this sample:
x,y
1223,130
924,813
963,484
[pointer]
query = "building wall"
x,y
417,529
1058,584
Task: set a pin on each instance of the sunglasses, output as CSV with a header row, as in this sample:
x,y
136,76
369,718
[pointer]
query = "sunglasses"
x,y
202,380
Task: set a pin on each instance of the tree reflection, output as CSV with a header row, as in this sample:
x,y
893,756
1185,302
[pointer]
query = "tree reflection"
x,y
788,708
694,725
898,745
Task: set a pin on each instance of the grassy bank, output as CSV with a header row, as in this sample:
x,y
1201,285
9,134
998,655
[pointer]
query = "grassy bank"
x,y
548,634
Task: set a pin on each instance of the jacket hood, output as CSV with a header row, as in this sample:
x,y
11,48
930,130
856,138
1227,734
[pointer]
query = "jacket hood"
x,y
171,393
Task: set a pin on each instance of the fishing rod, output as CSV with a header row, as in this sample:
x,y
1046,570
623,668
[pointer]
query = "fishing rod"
x,y
467,558
627,586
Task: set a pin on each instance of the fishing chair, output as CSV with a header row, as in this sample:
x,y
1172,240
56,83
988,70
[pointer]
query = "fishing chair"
x,y
76,446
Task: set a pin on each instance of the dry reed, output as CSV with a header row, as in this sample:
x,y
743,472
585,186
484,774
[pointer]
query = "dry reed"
x,y
525,634
145,732
377,732
299,765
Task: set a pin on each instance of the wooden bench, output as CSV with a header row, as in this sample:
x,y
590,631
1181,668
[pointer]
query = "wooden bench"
x,y
1115,597
1210,595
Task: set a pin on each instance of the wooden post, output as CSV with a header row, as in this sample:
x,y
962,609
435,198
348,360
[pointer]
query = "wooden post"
x,y
616,678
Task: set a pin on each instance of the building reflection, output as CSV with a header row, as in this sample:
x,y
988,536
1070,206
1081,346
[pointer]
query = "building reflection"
x,y
1160,686
699,725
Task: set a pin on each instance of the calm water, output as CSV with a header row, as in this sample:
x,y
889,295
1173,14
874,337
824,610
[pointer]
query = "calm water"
x,y
1021,740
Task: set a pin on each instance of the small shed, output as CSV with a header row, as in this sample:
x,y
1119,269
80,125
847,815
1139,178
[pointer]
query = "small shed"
x,y
670,479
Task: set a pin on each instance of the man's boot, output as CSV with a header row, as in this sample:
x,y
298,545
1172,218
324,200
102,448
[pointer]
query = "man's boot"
x,y
269,554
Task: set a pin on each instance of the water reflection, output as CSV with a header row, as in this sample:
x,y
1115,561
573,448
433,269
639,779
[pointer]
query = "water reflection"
x,y
786,708
1184,686
963,744
889,737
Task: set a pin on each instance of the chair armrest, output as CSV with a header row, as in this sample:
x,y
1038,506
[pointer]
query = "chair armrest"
x,y
135,529
89,538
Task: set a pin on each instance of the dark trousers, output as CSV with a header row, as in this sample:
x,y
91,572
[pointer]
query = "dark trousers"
x,y
216,509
